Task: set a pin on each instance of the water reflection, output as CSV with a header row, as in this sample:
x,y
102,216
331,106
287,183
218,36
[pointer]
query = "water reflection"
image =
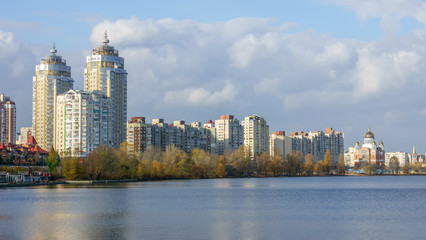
x,y
275,208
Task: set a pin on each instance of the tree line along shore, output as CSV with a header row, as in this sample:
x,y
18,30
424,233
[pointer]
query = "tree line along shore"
x,y
107,163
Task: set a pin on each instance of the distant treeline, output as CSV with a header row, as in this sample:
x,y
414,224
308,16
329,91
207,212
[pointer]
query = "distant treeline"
x,y
110,163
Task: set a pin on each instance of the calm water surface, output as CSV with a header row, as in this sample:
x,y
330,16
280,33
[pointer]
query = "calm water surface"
x,y
262,208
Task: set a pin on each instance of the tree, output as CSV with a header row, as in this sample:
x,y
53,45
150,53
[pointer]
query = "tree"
x,y
71,168
394,165
341,168
220,169
416,167
406,169
102,163
292,163
277,164
319,167
52,160
369,168
309,164
328,161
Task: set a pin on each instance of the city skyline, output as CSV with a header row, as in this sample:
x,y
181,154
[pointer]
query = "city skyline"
x,y
299,72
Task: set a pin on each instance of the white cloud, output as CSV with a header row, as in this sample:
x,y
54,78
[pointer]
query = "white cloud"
x,y
200,96
17,68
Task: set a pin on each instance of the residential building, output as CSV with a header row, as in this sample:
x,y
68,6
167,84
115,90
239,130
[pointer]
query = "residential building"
x,y
139,135
209,126
403,158
105,72
229,134
256,135
25,133
52,78
318,142
279,143
7,120
83,122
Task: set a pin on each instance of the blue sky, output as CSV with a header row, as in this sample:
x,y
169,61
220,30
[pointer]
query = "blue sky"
x,y
303,65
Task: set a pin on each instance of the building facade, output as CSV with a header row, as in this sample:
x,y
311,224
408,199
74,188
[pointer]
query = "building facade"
x,y
7,120
256,135
83,122
403,158
26,132
105,72
318,142
139,135
229,134
52,78
279,143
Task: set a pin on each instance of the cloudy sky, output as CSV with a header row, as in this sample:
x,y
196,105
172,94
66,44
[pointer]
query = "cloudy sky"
x,y
302,65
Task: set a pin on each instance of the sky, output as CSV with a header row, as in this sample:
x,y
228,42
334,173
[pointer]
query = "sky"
x,y
302,65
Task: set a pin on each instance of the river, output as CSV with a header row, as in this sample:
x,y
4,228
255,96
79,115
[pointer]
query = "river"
x,y
378,207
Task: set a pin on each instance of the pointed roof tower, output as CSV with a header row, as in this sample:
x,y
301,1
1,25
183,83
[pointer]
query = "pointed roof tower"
x,y
414,150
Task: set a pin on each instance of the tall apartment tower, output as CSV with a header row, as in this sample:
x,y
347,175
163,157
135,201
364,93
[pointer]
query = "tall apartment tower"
x,y
256,135
82,121
105,72
229,134
53,77
7,120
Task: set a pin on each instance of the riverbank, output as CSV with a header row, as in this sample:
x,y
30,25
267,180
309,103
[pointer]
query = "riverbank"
x,y
9,185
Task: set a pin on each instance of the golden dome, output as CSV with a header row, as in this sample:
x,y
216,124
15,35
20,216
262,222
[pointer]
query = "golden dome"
x,y
369,134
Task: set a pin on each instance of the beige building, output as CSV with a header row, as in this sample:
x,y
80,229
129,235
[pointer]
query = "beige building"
x,y
279,142
25,133
229,134
105,72
52,78
139,135
256,135
83,122
7,120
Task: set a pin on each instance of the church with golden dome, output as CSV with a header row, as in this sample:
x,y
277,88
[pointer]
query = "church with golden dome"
x,y
369,152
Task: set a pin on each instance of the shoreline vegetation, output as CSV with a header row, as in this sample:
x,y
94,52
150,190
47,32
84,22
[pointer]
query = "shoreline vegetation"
x,y
107,164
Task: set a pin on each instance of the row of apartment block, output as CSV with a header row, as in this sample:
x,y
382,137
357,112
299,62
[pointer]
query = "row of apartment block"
x,y
228,134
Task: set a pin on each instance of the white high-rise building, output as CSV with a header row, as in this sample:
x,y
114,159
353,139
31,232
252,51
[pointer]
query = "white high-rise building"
x,y
53,77
83,122
105,72
229,134
256,135
279,142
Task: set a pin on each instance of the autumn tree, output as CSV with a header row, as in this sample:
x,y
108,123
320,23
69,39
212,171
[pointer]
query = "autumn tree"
x,y
341,168
308,165
277,167
102,163
328,162
394,165
71,168
220,169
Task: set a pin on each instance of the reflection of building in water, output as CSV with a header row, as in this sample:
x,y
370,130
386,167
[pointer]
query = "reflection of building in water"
x,y
369,152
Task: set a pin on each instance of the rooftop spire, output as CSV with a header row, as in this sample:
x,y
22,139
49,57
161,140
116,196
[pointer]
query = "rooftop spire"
x,y
53,50
106,40
414,149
